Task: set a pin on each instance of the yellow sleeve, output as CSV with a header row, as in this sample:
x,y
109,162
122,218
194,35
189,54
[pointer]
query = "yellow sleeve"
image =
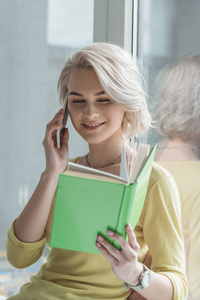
x,y
194,247
20,254
163,234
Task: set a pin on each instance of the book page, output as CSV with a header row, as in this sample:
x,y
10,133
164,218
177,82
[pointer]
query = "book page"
x,y
123,166
132,163
140,159
93,172
96,177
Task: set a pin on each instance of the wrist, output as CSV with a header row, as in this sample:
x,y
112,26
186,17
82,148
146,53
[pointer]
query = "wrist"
x,y
144,280
136,278
52,170
47,175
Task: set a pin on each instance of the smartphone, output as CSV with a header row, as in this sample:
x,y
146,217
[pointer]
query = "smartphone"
x,y
64,122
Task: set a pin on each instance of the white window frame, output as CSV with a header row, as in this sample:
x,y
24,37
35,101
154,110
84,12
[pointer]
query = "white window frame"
x,y
116,21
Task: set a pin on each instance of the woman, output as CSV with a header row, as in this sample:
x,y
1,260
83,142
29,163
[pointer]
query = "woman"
x,y
106,105
178,122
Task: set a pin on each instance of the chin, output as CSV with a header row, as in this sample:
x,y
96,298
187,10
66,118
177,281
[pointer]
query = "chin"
x,y
94,140
98,138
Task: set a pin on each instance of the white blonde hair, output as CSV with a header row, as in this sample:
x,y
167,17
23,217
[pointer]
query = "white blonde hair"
x,y
119,77
177,97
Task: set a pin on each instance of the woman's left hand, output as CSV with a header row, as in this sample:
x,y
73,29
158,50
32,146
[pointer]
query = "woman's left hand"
x,y
124,262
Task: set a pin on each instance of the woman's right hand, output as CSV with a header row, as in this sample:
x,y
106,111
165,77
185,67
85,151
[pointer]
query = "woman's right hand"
x,y
56,158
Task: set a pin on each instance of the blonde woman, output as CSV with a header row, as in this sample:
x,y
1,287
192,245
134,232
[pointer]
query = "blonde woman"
x,y
178,123
106,105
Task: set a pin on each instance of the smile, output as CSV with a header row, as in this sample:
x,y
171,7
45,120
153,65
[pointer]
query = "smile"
x,y
93,126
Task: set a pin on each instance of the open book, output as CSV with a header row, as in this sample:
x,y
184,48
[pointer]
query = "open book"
x,y
89,201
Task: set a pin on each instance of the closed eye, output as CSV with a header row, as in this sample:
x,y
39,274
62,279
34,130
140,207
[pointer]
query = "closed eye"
x,y
103,100
78,101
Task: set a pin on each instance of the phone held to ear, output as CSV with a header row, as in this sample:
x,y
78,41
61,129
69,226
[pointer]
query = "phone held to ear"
x,y
64,122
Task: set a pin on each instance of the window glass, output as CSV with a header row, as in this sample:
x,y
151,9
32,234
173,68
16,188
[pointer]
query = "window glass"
x,y
166,31
169,48
36,39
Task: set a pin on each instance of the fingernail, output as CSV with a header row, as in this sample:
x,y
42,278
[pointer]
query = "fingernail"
x,y
129,227
110,233
98,245
100,238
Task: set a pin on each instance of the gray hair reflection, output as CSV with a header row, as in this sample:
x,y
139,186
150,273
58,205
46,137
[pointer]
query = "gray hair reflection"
x,y
177,98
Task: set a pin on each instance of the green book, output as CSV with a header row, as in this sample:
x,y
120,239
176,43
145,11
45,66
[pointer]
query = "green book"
x,y
87,204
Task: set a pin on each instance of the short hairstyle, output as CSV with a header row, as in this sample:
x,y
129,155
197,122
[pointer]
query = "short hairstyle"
x,y
119,77
177,98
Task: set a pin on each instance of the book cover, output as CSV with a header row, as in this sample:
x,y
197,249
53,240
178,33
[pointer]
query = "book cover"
x,y
89,204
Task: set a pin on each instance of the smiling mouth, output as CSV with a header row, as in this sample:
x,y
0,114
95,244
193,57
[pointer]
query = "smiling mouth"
x,y
93,126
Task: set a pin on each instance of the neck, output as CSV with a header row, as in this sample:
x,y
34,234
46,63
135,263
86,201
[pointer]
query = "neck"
x,y
176,149
103,154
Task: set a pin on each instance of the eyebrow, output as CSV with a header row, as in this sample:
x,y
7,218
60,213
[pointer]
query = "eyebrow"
x,y
99,93
81,95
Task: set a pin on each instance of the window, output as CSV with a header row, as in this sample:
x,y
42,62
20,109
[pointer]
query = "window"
x,y
36,39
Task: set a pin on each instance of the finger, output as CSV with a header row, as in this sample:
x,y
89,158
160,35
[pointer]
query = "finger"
x,y
132,238
61,111
50,133
112,260
108,250
57,118
130,250
56,122
125,247
51,129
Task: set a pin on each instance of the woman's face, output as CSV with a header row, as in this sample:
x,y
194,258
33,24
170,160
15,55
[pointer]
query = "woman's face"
x,y
94,116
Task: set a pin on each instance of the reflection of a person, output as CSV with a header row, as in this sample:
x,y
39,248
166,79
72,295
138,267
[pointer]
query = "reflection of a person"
x,y
178,121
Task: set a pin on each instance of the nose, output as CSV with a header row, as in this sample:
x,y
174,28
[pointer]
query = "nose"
x,y
91,111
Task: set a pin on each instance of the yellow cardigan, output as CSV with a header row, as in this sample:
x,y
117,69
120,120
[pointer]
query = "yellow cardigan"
x,y
187,177
76,275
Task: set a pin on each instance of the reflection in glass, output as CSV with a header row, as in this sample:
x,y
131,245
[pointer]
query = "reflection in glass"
x,y
177,115
167,30
177,112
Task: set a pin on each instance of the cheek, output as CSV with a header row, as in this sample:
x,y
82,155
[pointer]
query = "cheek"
x,y
72,120
73,117
117,120
114,110
73,113
121,119
120,115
